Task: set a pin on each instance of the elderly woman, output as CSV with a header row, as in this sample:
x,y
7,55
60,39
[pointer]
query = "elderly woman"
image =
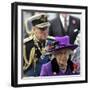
x,y
60,64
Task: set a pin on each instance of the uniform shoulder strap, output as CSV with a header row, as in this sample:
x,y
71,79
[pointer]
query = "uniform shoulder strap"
x,y
27,39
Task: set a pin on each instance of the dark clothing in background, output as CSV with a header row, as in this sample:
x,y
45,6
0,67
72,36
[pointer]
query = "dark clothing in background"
x,y
56,28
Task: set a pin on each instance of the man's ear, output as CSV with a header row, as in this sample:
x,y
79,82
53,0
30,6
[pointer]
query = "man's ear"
x,y
33,28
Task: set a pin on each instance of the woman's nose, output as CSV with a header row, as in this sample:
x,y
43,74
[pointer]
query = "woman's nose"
x,y
64,55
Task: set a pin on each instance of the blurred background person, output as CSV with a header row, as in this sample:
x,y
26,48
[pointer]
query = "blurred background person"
x,y
76,54
65,24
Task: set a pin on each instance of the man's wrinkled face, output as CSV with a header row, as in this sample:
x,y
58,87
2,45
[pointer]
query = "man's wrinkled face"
x,y
62,57
41,33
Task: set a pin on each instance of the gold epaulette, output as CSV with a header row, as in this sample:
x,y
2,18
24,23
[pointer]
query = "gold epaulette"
x,y
27,39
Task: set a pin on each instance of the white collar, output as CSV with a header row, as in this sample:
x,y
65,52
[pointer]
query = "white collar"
x,y
62,19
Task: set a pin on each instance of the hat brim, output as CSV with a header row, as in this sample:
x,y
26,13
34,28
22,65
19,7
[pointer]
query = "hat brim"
x,y
71,47
42,25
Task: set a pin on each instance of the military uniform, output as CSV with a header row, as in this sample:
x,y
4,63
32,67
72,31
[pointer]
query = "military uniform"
x,y
33,50
33,61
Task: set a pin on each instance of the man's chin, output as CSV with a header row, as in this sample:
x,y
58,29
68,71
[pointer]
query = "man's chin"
x,y
43,39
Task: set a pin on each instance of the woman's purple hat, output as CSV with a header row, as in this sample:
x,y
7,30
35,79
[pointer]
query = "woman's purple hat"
x,y
60,43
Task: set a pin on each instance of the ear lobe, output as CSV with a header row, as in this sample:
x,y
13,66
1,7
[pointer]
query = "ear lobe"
x,y
33,28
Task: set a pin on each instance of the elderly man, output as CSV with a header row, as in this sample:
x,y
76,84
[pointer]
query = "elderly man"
x,y
59,65
34,46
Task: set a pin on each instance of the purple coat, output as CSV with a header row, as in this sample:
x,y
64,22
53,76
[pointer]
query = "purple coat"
x,y
46,70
